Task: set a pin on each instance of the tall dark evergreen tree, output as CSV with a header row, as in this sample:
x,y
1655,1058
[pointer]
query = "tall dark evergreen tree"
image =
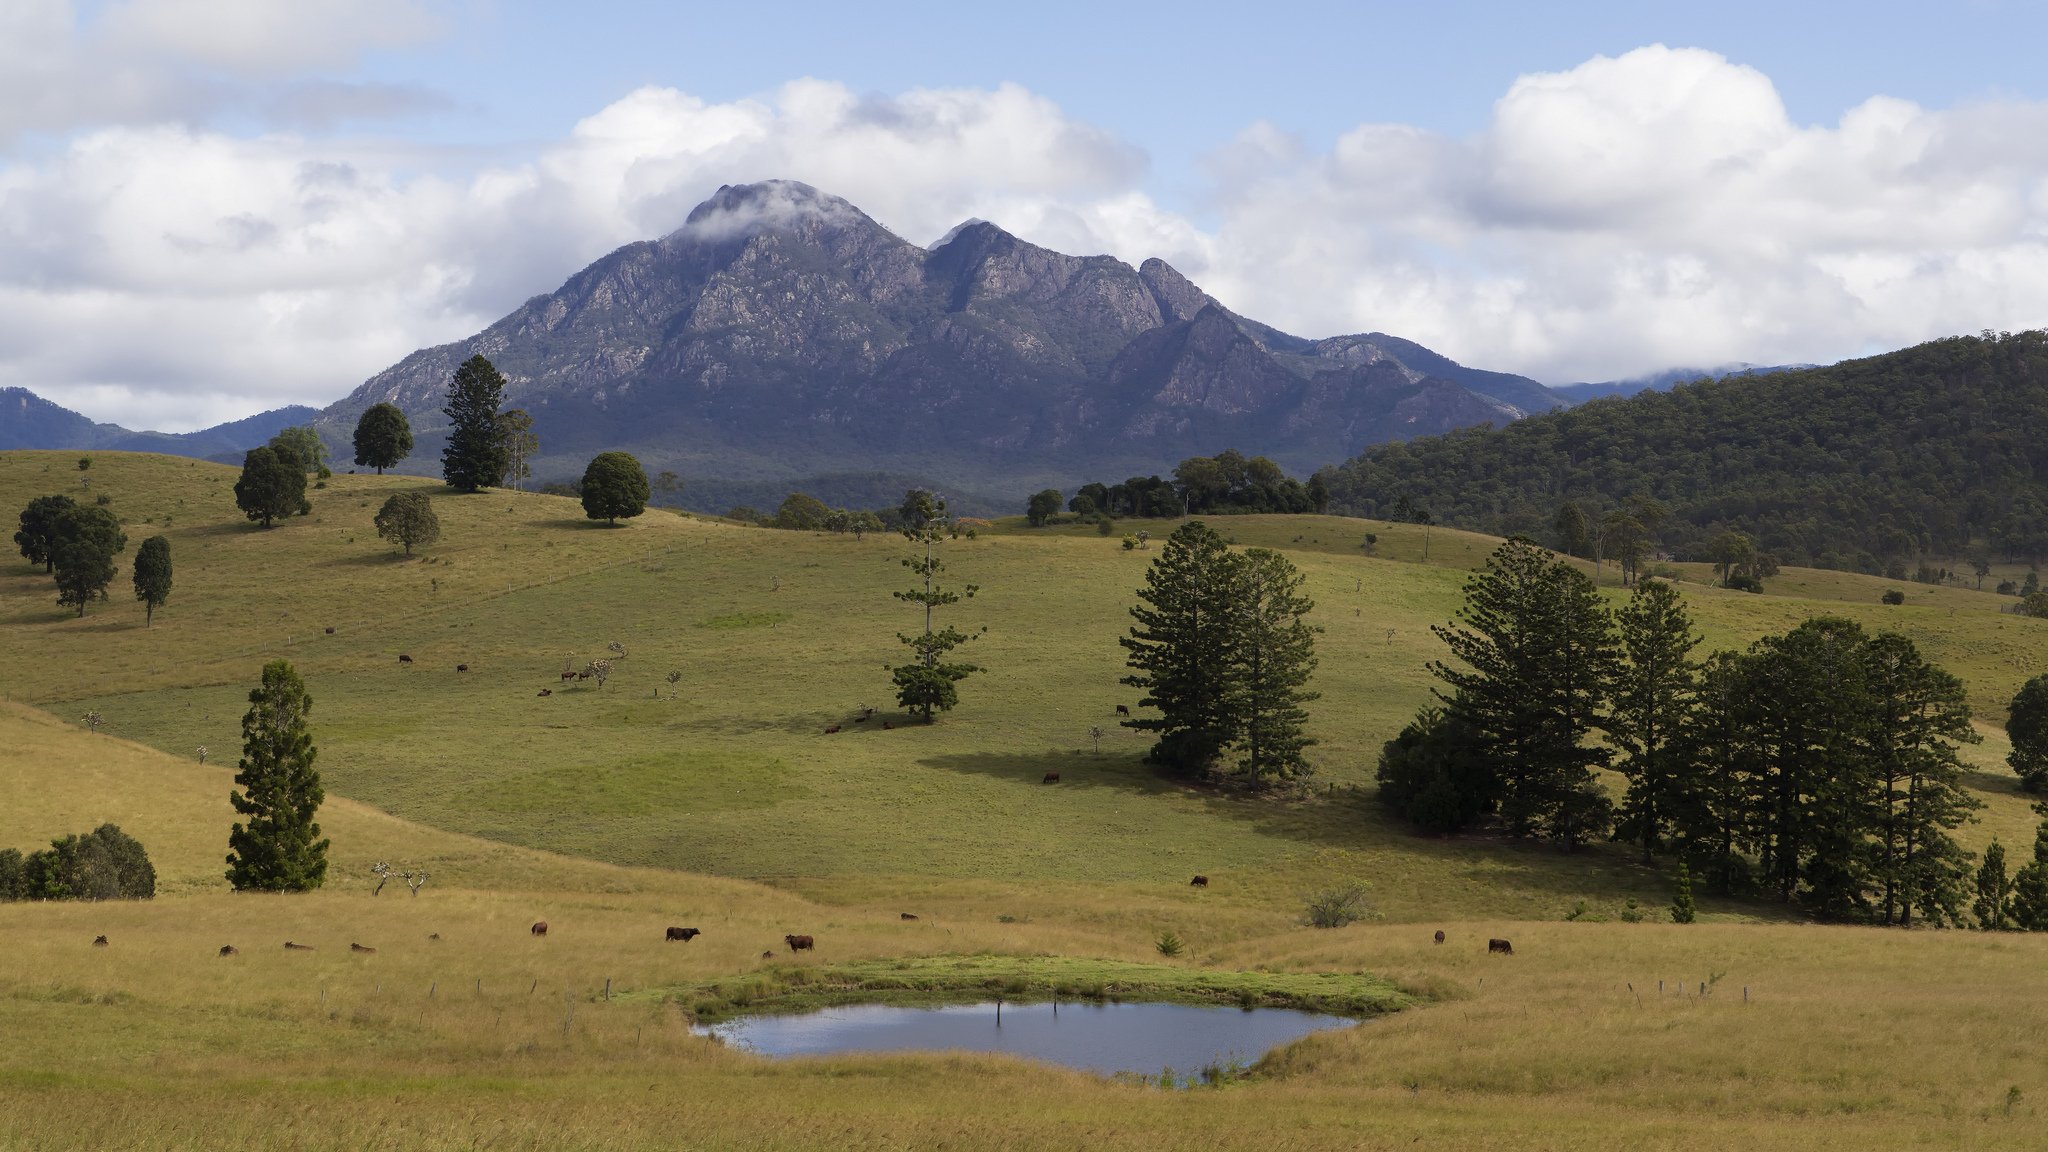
x,y
1275,655
2030,884
1918,716
383,437
1808,713
475,457
152,576
1574,534
85,543
1713,814
39,528
280,849
2027,725
1652,697
1993,906
930,681
1435,774
1183,647
272,485
1535,654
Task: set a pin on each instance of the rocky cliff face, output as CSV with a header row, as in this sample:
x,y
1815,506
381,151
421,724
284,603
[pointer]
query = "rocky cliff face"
x,y
782,339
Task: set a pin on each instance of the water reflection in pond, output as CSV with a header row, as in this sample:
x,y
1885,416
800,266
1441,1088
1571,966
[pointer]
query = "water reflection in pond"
x,y
1098,1037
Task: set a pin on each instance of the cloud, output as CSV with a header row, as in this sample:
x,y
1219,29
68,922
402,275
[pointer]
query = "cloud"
x,y
1630,214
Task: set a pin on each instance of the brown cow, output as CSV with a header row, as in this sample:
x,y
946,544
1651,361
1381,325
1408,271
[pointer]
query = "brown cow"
x,y
1199,882
832,729
1439,935
909,915
330,631
568,676
291,947
1501,946
1051,778
99,941
545,692
229,950
683,934
462,667
404,659
800,943
540,928
1122,711
365,949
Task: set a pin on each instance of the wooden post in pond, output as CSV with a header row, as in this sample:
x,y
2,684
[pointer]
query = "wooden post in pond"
x,y
999,1011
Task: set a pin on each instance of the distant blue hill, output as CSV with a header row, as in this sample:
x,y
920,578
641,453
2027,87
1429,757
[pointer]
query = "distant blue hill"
x,y
29,421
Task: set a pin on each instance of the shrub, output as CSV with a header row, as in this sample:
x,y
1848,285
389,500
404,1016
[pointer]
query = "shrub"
x,y
1745,583
103,864
1169,944
1894,596
1335,907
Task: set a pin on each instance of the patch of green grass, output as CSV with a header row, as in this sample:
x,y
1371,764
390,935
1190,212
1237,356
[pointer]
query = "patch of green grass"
x,y
744,620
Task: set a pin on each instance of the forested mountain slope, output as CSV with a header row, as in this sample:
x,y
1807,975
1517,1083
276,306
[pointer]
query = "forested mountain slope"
x,y
1929,451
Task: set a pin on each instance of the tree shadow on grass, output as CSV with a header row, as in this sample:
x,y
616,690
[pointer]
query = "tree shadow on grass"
x,y
1996,783
390,559
797,723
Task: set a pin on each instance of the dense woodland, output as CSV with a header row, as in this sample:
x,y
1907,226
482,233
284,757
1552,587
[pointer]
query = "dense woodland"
x,y
1930,451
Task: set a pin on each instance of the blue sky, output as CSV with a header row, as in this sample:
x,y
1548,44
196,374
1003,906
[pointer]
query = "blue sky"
x,y
208,207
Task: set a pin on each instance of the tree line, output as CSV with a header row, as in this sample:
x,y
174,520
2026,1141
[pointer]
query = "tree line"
x,y
1862,466
1227,483
78,545
1818,766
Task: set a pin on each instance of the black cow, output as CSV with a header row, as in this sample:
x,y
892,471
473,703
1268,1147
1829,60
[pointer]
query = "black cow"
x,y
404,659
363,948
1122,711
99,941
291,947
1199,882
1439,935
683,934
229,950
1501,946
1051,778
909,915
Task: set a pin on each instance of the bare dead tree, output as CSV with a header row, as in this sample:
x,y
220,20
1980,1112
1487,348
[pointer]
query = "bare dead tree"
x,y
382,872
673,679
415,879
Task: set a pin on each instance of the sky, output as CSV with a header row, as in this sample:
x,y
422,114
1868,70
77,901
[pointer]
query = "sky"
x,y
213,207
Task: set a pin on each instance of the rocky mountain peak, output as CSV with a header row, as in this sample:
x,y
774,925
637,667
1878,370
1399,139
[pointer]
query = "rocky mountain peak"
x,y
742,210
1178,297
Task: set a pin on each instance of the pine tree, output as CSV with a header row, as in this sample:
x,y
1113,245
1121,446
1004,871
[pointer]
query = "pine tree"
x,y
2026,724
1183,649
1919,715
1713,813
2030,886
1274,657
152,576
383,437
279,850
1682,910
1652,698
1808,714
1994,891
475,457
930,681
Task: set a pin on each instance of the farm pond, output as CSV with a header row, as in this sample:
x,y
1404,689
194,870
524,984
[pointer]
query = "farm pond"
x,y
1101,1037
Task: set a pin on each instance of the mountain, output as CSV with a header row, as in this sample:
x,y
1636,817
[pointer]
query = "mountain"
x,y
781,339
29,421
1665,380
1929,452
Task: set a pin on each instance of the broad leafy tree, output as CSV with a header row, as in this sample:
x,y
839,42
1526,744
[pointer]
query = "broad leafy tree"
x,y
272,485
306,445
408,520
515,431
1574,534
1183,648
153,576
475,456
1651,698
1624,540
929,682
39,528
1042,507
383,437
2028,726
922,507
614,487
278,789
87,540
801,512
1274,655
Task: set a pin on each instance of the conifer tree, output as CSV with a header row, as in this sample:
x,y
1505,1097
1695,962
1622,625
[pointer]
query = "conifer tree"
x,y
1274,656
1183,647
1808,715
152,576
383,437
280,849
1994,891
1919,715
475,457
2030,885
2026,724
1652,696
1713,813
1682,909
929,682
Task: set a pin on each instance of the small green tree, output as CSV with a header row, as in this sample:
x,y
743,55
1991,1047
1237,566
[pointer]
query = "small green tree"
x,y
280,849
614,486
383,437
928,683
1993,905
307,446
272,485
515,431
1682,910
407,519
87,540
2027,725
153,576
475,457
1042,507
39,528
1732,554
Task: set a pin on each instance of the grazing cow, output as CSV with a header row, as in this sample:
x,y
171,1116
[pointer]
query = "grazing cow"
x,y
1051,778
831,730
291,947
683,934
99,941
229,950
568,676
909,915
404,659
353,947
545,692
1501,946
540,928
1199,882
462,667
1439,935
330,631
1122,711
800,943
